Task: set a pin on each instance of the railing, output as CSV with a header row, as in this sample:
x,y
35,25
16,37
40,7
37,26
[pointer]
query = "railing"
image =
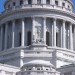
x,y
47,6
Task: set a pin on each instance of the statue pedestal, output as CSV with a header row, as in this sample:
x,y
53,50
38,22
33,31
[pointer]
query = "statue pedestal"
x,y
38,46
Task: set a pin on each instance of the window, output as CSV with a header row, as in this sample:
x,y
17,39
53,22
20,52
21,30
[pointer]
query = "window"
x,y
68,6
29,1
28,38
30,69
47,1
19,38
56,2
57,39
14,3
21,2
9,6
38,68
8,42
38,1
47,38
63,4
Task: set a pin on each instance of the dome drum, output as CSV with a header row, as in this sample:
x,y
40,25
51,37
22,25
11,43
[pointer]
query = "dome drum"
x,y
49,4
37,35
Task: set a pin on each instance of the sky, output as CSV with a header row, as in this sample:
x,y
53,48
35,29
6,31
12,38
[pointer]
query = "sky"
x,y
2,3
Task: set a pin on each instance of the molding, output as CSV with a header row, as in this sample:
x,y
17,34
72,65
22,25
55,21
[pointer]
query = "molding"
x,y
33,13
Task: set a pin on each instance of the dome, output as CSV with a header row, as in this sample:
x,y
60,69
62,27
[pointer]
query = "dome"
x,y
38,62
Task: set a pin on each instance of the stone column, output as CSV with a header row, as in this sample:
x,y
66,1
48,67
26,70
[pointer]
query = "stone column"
x,y
1,36
13,32
33,29
53,2
23,29
6,26
44,30
14,73
2,72
60,3
54,32
63,35
70,36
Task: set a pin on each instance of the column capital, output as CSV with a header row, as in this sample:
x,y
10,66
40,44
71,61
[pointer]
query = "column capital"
x,y
23,19
44,17
54,19
13,20
64,21
71,23
33,17
6,23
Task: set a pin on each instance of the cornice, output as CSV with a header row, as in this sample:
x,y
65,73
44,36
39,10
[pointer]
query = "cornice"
x,y
65,60
4,15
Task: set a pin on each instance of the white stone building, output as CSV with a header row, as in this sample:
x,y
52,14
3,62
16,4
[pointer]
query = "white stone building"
x,y
37,32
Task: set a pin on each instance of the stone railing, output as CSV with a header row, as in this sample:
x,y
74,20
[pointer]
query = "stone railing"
x,y
47,6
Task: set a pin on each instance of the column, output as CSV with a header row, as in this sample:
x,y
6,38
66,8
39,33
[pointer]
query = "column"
x,y
6,25
54,32
44,30
1,36
13,32
14,73
70,36
74,39
60,2
53,2
23,29
63,35
33,29
2,72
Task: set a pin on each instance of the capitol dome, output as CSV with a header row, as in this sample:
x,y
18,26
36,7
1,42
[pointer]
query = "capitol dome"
x,y
37,32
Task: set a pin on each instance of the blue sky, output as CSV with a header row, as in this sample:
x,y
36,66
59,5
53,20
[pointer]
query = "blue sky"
x,y
2,3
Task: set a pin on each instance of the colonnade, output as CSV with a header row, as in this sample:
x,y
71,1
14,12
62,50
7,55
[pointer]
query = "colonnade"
x,y
33,33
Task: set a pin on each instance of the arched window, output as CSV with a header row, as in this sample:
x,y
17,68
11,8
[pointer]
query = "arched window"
x,y
47,38
28,38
